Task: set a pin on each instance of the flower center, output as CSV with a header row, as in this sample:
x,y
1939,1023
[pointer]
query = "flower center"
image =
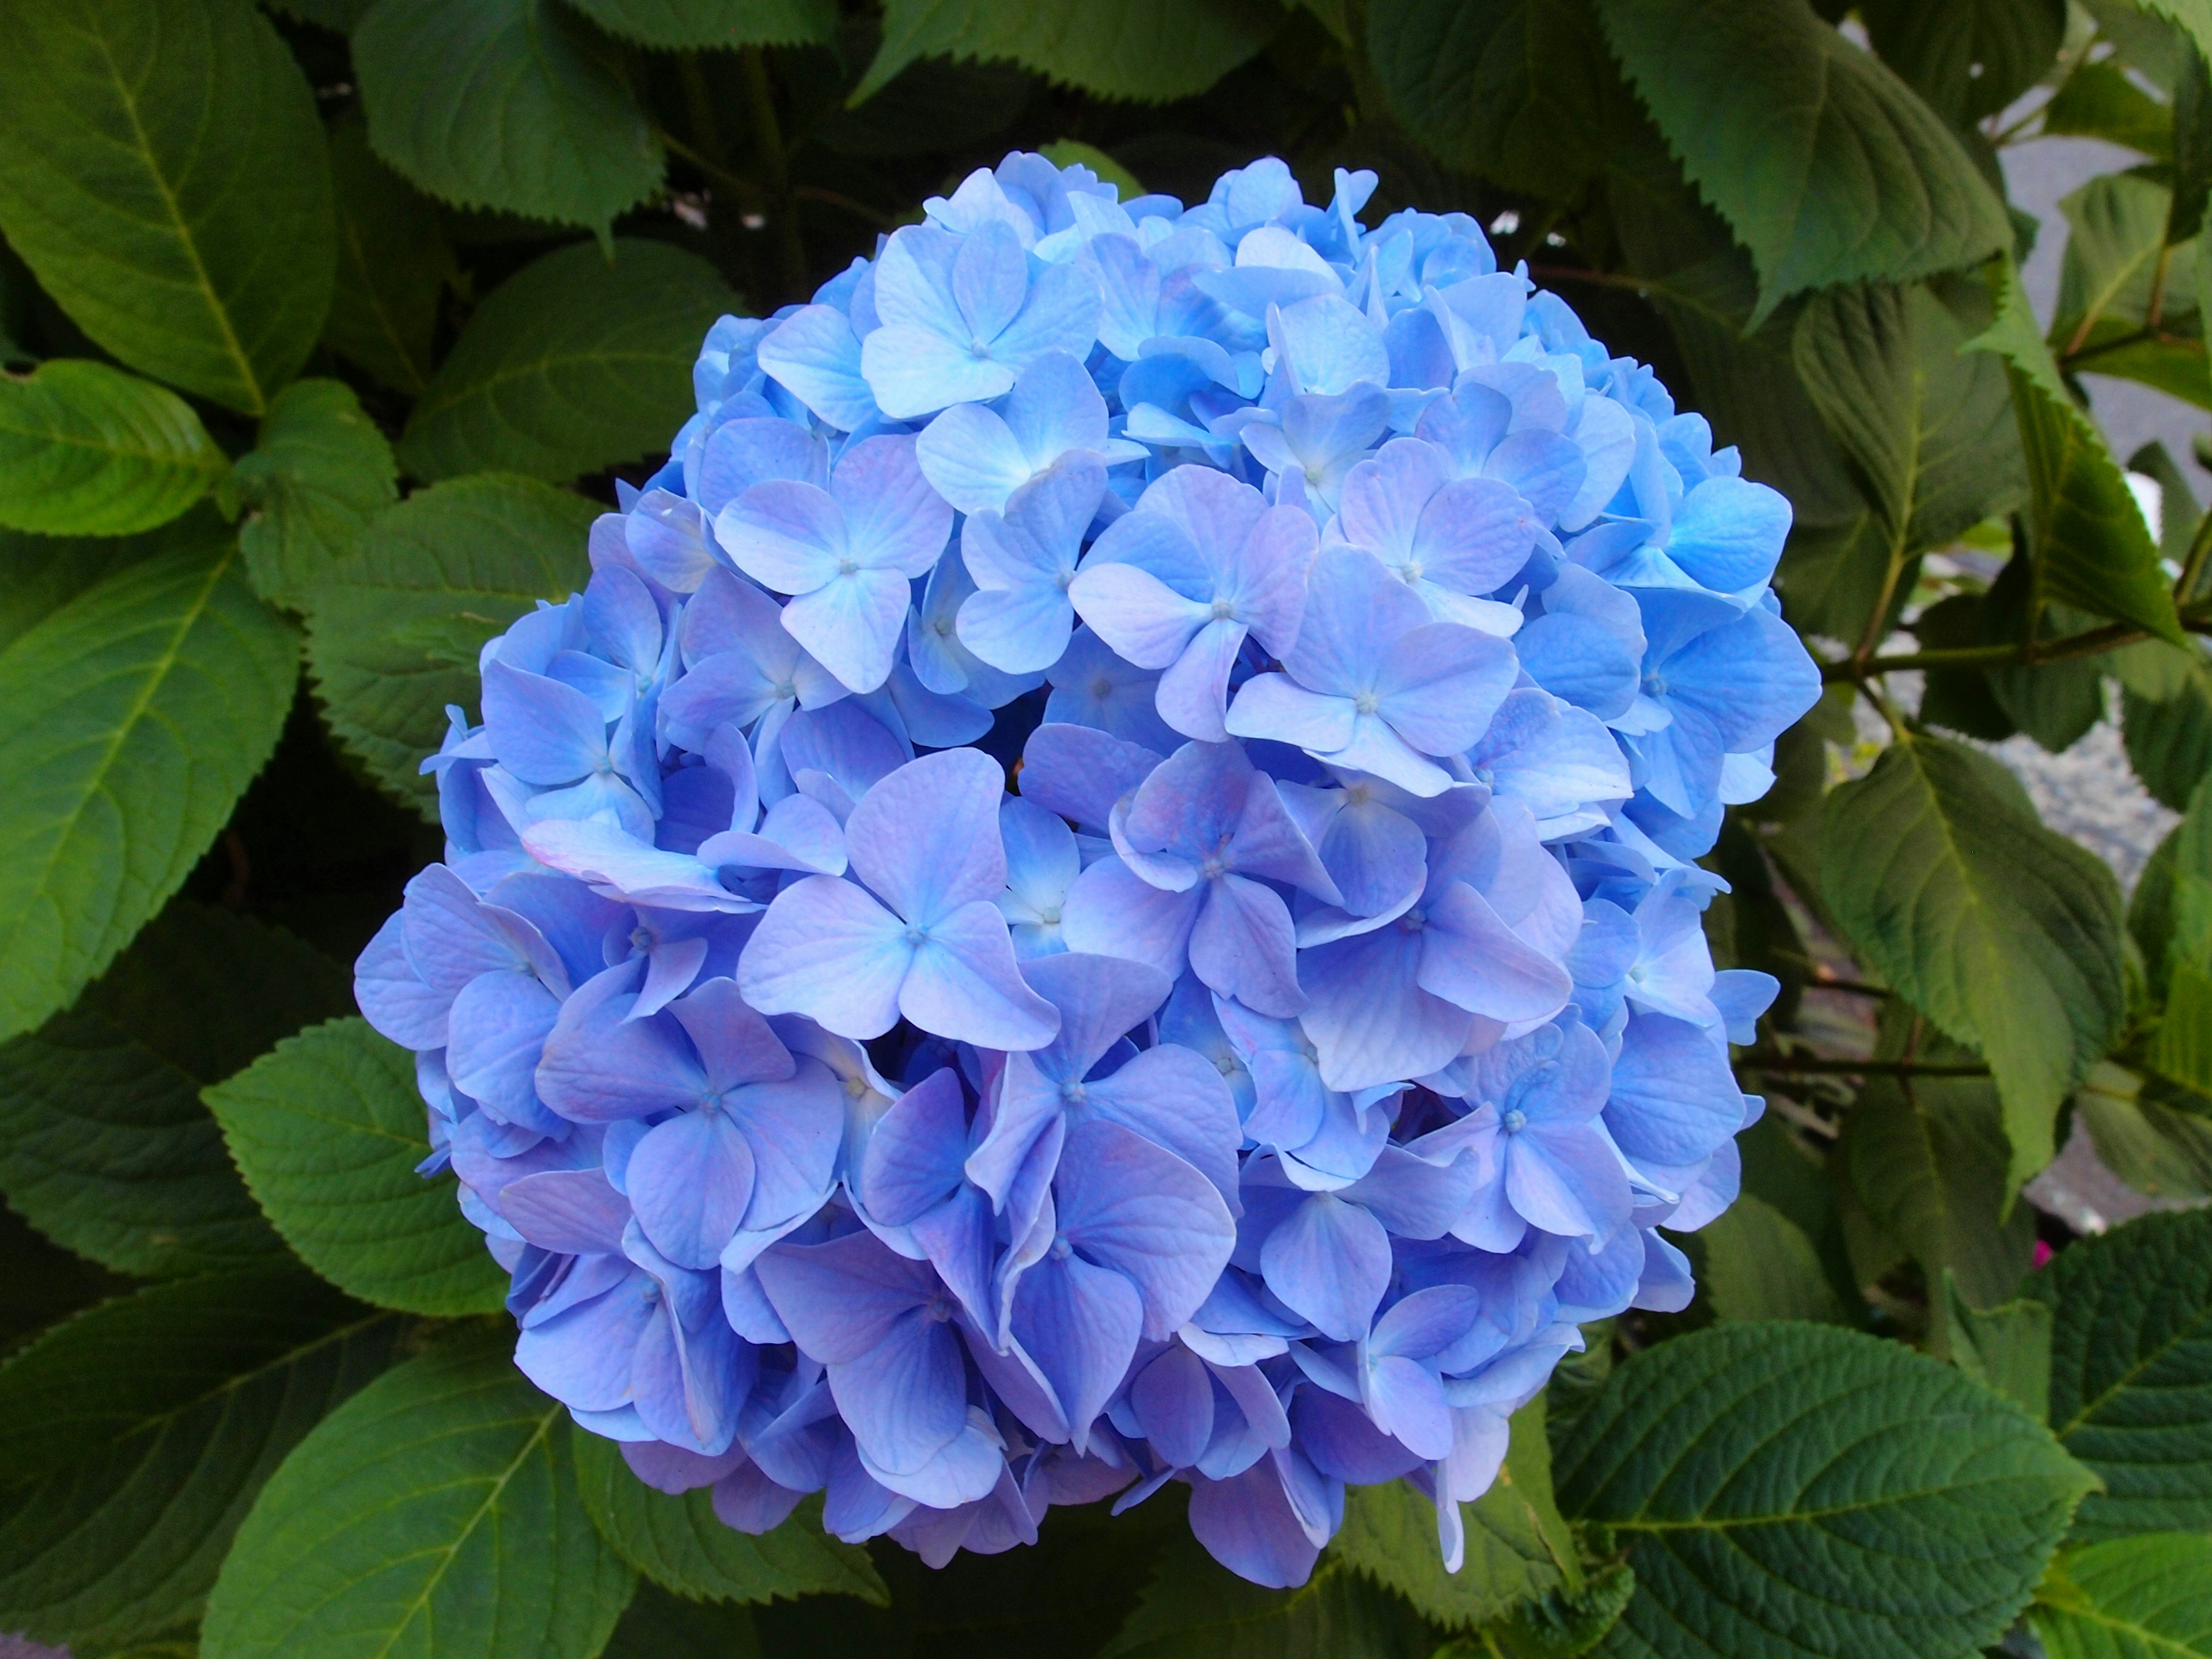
x,y
1073,1092
1366,702
1102,688
1050,917
847,565
786,689
1222,611
1412,922
1212,869
1062,1249
916,936
641,938
1515,1120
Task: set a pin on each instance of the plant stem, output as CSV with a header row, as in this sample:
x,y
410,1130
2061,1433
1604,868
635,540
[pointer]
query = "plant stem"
x,y
775,172
1821,1066
2192,567
2107,638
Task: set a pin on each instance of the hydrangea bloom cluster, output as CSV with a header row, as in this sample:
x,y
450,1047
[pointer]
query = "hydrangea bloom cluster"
x,y
1098,890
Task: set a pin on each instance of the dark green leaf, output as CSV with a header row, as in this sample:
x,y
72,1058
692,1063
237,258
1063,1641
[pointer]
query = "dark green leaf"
x,y
1928,1166
1833,576
435,1513
1150,50
2192,149
1787,1490
1196,1608
41,1282
1760,1264
659,1626
137,1434
39,574
396,641
2131,1371
511,105
578,362
2115,241
1931,432
2193,19
2005,935
104,1143
2142,1136
1834,174
321,472
337,15
2098,100
1517,1542
2006,1348
327,1128
1960,699
2183,1049
1971,58
86,450
678,1542
130,720
2092,549
1509,90
2169,739
2054,702
2131,1598
163,170
394,264
688,25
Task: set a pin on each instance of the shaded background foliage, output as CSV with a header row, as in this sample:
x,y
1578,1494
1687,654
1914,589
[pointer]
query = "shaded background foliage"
x,y
329,326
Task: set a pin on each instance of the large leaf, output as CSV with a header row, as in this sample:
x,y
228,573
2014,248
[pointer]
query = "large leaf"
x,y
2004,935
1927,1164
327,1128
435,1514
1833,172
1150,50
688,25
2132,1598
2156,1146
130,720
321,472
1786,1489
1969,58
2169,738
39,574
1194,1608
659,1625
136,1434
1518,1545
1931,432
578,362
1760,1264
104,1145
678,1543
396,640
86,450
2092,549
393,265
1507,90
513,105
2098,101
163,170
2131,1371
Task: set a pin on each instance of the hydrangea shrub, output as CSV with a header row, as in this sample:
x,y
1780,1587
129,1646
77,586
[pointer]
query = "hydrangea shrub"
x,y
1101,889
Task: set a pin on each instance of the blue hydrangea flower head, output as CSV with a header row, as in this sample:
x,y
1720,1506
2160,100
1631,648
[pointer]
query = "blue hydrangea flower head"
x,y
1099,890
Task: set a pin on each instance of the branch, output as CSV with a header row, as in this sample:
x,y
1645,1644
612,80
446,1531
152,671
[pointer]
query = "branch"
x,y
1818,1065
2107,638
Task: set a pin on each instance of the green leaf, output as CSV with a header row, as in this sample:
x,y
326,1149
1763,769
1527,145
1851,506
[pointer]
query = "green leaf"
x,y
2006,1348
2005,935
1196,1608
1968,59
2098,100
39,574
137,1434
130,720
2115,241
1517,1542
1152,50
1931,432
1559,1625
2092,549
86,450
2158,1149
2131,1371
678,1542
576,363
1786,1490
394,265
2193,17
2183,1049
1928,1166
511,105
104,1145
321,472
396,640
659,1626
2169,739
1834,174
435,1513
162,171
691,25
2192,150
327,1128
2131,1598
1505,90
1760,1264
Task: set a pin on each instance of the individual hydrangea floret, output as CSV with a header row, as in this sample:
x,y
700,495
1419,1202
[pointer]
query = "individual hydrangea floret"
x,y
1100,888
